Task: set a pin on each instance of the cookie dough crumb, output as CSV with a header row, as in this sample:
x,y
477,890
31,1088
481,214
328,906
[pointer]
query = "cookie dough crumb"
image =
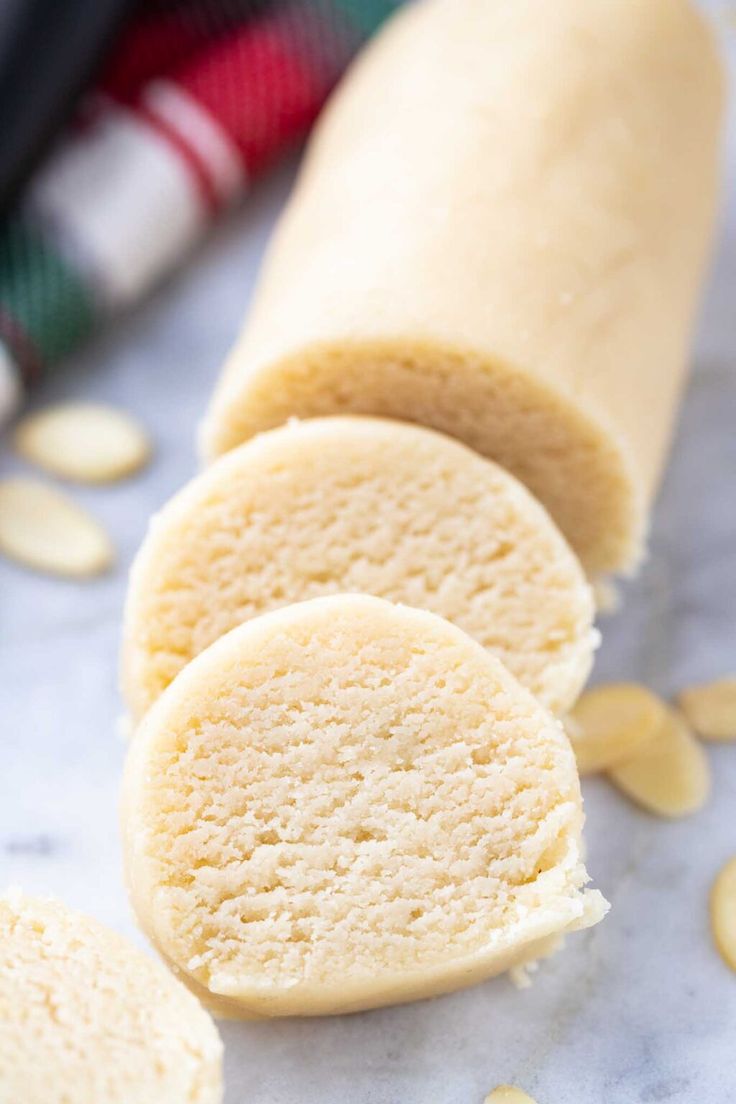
x,y
609,723
711,708
607,596
669,775
508,1094
521,975
87,442
43,529
723,913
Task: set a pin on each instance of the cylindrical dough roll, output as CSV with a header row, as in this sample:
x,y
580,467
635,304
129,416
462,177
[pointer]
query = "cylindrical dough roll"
x,y
347,803
359,504
86,1018
500,232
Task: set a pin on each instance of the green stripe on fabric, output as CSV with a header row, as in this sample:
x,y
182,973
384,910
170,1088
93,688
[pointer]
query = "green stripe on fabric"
x,y
41,292
366,15
10,383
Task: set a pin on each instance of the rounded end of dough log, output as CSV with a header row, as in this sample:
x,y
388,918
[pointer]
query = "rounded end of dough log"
x,y
348,803
87,1017
359,504
566,458
492,235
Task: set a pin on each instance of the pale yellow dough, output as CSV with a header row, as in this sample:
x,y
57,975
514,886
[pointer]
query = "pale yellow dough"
x,y
359,504
85,1018
500,231
347,803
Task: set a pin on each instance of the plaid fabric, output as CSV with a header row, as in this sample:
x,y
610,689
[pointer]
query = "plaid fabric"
x,y
197,99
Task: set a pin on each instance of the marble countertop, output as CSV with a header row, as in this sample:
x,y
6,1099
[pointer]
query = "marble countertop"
x,y
637,1011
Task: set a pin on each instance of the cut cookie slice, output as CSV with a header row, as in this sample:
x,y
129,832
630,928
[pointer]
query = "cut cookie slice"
x,y
359,504
87,1017
348,803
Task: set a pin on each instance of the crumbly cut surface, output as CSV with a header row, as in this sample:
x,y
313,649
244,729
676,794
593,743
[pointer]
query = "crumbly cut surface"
x,y
565,458
359,504
347,803
85,1017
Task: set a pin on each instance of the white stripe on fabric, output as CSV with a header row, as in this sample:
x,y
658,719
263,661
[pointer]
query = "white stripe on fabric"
x,y
202,132
124,200
10,389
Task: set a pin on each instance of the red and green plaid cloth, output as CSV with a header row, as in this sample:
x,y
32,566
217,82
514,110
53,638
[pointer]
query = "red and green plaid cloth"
x,y
187,112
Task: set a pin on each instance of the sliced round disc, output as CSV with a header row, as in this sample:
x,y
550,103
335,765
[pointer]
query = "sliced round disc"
x,y
44,529
87,442
359,504
87,1017
347,803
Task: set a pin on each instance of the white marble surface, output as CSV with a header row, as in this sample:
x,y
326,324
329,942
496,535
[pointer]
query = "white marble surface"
x,y
641,1009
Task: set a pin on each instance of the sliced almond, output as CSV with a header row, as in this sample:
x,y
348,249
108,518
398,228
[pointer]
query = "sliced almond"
x,y
508,1094
723,912
669,775
43,529
83,441
610,723
711,708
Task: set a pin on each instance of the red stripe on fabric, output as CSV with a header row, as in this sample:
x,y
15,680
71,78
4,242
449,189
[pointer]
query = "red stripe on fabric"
x,y
198,168
24,351
258,87
149,46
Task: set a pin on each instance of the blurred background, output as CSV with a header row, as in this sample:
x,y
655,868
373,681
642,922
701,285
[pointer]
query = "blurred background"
x,y
145,152
126,130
